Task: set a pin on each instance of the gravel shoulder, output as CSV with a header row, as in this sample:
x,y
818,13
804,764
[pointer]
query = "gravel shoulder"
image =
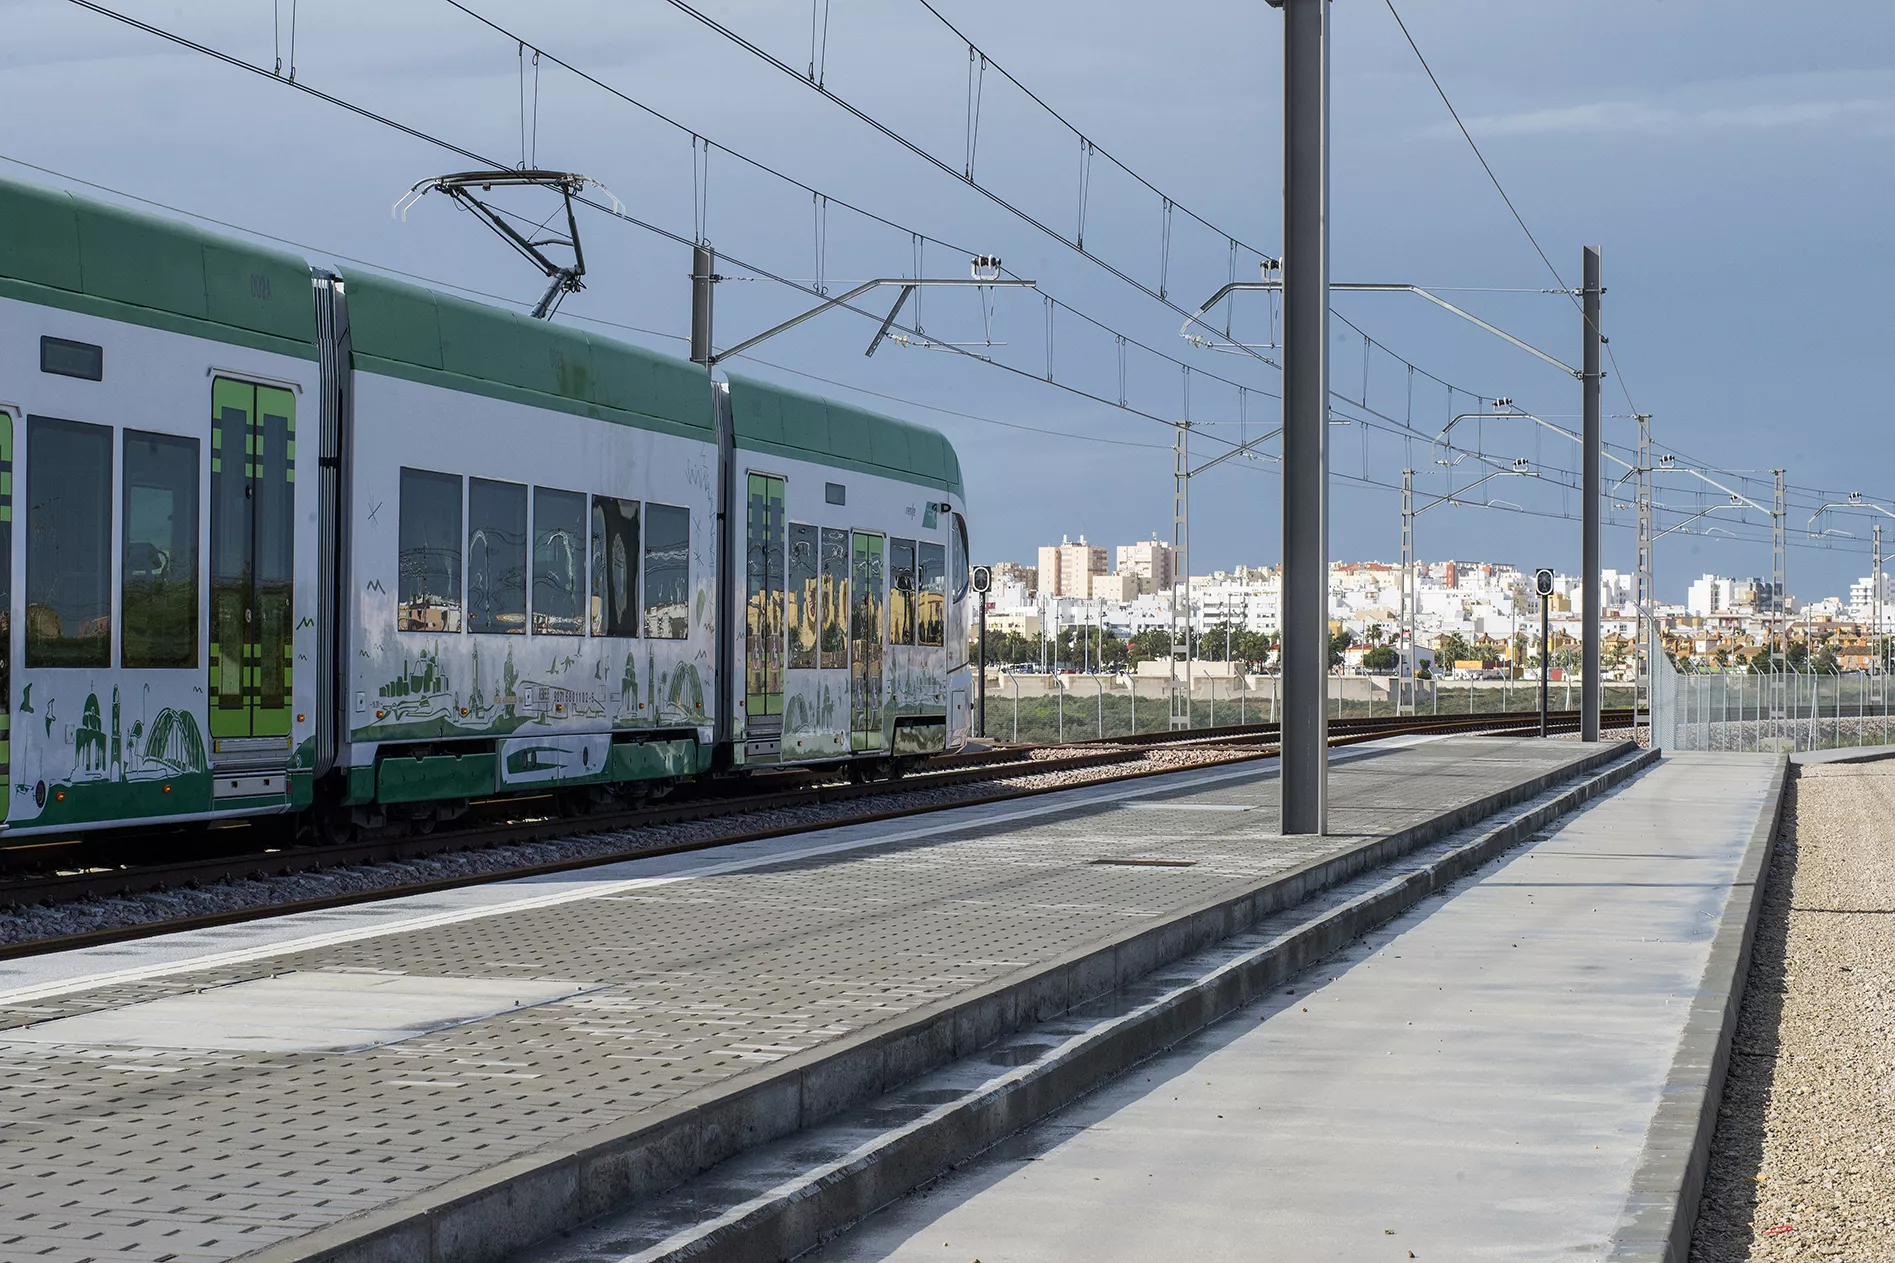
x,y
1801,1166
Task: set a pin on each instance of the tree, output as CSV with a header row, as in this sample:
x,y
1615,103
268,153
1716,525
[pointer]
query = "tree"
x,y
1252,646
1451,648
1337,643
1380,658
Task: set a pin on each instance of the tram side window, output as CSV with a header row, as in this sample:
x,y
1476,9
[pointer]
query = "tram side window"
x,y
667,572
69,544
614,567
901,596
428,598
835,599
496,557
158,568
559,567
931,595
805,597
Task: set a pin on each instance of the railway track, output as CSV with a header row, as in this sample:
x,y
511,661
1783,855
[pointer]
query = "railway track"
x,y
1237,742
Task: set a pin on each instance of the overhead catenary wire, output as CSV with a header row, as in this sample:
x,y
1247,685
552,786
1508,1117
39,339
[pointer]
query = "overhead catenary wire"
x,y
626,217
326,252
920,238
827,200
1513,210
622,215
921,151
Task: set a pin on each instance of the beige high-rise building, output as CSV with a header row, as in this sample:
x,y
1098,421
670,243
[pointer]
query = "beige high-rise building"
x,y
1066,568
1154,563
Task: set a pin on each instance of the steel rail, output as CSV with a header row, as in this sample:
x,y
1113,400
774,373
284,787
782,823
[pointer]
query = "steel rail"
x,y
1245,743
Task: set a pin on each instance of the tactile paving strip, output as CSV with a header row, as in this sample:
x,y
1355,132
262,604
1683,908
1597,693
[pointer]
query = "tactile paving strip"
x,y
146,1156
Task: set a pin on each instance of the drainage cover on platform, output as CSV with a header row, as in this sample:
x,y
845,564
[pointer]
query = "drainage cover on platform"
x,y
1150,863
300,1012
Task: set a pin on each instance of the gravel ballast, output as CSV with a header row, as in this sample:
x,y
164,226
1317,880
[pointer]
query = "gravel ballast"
x,y
1801,1164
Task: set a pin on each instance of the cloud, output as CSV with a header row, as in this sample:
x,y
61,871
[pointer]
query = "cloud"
x,y
1855,115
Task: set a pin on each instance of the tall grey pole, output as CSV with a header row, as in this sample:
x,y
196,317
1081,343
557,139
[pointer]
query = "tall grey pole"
x,y
1305,654
1546,615
980,691
1591,489
703,281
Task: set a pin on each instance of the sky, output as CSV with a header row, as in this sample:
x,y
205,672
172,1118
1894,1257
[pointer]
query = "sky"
x,y
1731,161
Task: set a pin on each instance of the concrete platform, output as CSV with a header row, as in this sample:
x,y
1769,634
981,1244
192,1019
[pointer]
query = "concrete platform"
x,y
581,1041
1523,1068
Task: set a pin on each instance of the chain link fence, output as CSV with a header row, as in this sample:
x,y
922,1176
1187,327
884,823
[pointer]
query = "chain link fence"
x,y
1770,712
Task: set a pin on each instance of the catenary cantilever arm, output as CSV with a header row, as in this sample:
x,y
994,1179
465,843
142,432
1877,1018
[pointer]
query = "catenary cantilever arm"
x,y
908,284
1197,317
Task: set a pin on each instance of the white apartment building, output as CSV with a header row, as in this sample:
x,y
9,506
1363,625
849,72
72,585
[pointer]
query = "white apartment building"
x,y
1708,595
1154,563
1862,601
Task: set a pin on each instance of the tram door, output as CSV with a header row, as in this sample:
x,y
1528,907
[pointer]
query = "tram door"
x,y
764,535
253,487
866,636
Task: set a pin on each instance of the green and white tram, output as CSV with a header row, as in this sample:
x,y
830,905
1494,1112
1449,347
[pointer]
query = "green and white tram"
x,y
295,542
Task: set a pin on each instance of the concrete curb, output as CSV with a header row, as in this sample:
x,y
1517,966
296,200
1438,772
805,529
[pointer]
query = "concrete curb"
x,y
488,1215
1662,1207
1844,754
798,1212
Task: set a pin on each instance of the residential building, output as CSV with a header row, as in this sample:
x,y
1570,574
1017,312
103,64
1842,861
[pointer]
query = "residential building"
x,y
1862,601
1710,594
1155,563
1066,568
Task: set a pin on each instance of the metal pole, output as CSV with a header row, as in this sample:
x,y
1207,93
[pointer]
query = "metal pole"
x,y
1407,667
1779,577
980,692
1181,570
1590,488
1646,668
703,286
1305,414
1545,619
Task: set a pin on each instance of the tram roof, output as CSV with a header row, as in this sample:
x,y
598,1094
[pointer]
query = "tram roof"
x,y
59,249
771,418
404,330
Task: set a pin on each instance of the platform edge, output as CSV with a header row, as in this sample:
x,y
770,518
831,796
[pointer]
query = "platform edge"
x,y
1661,1210
796,1218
